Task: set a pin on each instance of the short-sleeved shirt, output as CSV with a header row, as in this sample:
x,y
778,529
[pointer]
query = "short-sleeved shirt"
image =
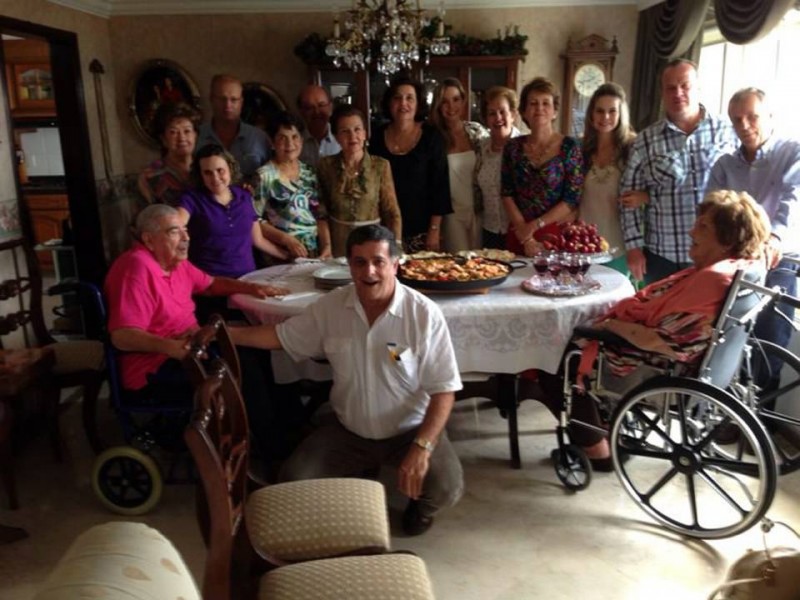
x,y
221,236
250,148
142,296
293,206
537,189
383,375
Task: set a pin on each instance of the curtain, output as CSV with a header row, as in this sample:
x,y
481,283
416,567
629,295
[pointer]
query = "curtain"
x,y
745,21
672,29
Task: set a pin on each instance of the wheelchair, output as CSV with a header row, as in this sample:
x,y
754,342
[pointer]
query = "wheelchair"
x,y
669,436
129,479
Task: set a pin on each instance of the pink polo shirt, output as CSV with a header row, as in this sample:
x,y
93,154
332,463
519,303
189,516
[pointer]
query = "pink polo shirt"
x,y
141,296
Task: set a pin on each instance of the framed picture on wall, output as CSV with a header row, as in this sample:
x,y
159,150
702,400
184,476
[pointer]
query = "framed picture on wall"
x,y
158,82
260,103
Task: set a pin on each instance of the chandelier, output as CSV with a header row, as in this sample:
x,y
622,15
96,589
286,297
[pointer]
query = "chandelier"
x,y
388,33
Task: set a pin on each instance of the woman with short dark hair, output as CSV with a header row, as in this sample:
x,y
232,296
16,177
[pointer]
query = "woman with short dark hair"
x,y
416,152
287,194
175,127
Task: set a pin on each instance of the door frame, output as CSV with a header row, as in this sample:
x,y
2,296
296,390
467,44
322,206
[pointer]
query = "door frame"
x,y
76,149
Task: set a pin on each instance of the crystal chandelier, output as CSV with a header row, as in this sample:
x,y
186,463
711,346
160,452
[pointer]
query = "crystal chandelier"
x,y
388,33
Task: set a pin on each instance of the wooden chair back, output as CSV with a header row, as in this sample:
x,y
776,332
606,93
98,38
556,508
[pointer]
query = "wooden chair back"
x,y
217,437
215,332
21,318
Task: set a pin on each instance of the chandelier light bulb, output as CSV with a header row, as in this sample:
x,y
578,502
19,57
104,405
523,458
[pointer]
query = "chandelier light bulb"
x,y
391,29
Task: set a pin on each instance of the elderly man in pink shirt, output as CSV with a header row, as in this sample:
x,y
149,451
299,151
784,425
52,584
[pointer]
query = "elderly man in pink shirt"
x,y
149,291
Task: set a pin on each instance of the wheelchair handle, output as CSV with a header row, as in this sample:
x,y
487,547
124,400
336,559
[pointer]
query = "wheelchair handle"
x,y
775,294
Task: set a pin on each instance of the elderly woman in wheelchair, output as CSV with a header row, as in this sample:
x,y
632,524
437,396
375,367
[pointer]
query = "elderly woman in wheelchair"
x,y
681,340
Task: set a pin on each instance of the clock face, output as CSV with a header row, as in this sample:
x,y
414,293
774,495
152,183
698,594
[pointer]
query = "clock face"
x,y
588,78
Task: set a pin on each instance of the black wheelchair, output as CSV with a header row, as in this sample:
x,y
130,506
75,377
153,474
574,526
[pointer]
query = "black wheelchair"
x,y
128,479
691,447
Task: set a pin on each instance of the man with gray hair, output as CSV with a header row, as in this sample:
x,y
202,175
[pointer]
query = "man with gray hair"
x,y
768,168
151,316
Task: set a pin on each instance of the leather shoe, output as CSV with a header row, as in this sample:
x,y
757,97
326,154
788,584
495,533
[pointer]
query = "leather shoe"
x,y
414,522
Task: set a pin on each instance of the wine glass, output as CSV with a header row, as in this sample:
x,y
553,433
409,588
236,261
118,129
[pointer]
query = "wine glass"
x,y
541,264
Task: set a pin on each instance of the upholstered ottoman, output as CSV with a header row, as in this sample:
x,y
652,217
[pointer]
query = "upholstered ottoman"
x,y
119,561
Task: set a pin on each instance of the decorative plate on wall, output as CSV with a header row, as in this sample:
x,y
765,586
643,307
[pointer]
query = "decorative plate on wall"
x,y
260,104
158,82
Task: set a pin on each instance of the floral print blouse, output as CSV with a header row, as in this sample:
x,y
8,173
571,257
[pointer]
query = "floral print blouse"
x,y
293,207
536,190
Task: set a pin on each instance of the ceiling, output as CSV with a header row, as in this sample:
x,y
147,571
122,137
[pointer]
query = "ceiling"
x,y
115,8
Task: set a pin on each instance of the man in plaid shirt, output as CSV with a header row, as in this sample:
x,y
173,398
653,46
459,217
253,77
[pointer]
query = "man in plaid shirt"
x,y
666,176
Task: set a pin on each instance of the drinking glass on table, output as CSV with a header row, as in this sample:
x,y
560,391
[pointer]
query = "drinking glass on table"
x,y
541,265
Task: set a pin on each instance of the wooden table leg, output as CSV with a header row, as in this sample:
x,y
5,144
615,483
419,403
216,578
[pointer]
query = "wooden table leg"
x,y
507,402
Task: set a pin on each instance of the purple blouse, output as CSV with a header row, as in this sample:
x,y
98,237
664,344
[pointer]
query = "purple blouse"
x,y
536,190
221,236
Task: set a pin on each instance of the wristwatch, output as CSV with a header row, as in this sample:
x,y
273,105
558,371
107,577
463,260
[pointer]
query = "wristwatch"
x,y
424,444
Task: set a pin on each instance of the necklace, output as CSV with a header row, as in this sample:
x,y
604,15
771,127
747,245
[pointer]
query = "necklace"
x,y
536,152
400,143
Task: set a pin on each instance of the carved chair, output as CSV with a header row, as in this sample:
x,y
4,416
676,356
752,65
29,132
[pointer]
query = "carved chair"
x,y
74,363
288,522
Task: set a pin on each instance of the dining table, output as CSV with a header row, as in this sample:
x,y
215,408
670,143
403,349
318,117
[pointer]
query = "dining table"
x,y
497,332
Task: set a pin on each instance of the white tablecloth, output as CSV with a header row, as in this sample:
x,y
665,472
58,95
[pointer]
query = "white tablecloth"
x,y
504,331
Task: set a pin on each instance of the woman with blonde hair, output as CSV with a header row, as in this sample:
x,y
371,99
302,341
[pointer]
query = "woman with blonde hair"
x,y
461,229
607,138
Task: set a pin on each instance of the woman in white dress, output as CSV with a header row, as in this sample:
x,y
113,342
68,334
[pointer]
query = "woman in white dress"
x,y
462,228
500,106
607,139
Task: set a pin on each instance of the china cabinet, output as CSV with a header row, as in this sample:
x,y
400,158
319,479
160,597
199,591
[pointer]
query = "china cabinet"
x,y
29,78
365,89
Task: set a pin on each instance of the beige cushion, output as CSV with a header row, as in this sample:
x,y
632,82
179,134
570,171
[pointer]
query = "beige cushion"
x,y
384,577
79,355
120,561
318,518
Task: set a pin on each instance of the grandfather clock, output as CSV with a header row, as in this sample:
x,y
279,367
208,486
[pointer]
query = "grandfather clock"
x,y
588,64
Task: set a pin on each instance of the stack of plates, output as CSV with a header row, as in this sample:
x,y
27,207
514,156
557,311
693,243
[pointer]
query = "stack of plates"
x,y
328,278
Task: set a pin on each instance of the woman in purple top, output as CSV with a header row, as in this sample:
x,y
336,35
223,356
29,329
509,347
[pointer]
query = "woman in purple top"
x,y
542,172
222,222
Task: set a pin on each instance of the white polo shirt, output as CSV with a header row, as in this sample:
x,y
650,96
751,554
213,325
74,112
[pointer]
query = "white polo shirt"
x,y
383,375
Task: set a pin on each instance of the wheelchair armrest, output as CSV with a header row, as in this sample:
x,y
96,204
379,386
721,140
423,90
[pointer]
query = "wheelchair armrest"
x,y
65,286
601,335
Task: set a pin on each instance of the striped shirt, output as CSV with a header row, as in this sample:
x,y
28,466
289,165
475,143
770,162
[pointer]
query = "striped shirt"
x,y
673,168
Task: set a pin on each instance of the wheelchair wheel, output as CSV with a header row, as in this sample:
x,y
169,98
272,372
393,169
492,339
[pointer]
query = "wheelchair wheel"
x,y
127,481
662,446
572,467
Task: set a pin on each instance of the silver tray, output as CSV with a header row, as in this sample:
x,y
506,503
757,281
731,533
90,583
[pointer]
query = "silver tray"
x,y
540,287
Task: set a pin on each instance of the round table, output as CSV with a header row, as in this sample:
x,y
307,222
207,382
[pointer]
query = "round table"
x,y
502,332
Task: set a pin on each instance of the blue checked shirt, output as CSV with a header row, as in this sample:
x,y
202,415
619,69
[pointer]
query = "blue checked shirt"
x,y
673,168
773,179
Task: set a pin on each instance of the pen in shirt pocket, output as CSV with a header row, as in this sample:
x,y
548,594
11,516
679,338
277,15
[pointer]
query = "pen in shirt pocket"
x,y
392,348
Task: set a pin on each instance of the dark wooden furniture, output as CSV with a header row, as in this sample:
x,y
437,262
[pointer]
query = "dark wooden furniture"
x,y
77,363
588,63
20,371
30,78
365,89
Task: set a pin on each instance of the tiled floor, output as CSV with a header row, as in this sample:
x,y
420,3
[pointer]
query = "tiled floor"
x,y
517,534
